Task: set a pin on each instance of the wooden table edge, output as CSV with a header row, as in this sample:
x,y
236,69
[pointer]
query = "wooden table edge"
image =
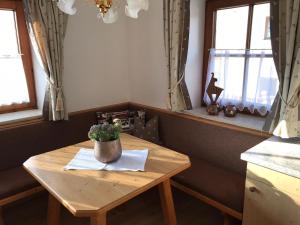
x,y
91,213
56,196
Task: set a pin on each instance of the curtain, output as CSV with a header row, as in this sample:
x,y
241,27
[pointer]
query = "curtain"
x,y
176,33
285,35
248,77
47,24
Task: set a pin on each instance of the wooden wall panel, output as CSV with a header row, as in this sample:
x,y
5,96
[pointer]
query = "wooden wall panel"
x,y
217,145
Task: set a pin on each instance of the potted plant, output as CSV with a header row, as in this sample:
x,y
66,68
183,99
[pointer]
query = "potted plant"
x,y
107,141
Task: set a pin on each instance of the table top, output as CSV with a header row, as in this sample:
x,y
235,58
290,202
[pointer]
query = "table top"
x,y
281,155
86,193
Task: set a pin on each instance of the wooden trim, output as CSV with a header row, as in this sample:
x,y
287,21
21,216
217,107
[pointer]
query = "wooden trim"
x,y
8,4
246,57
202,120
21,195
26,53
249,26
27,122
221,4
16,107
208,43
25,50
16,124
209,30
127,105
207,200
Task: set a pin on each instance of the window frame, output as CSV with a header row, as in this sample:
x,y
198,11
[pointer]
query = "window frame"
x,y
210,30
25,48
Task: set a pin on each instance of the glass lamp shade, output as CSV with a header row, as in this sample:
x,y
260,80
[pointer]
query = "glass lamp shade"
x,y
110,17
67,6
134,6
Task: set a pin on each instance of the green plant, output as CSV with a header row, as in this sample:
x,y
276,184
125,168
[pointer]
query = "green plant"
x,y
105,132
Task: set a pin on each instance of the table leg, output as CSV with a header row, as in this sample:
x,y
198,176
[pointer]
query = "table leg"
x,y
99,219
53,211
167,203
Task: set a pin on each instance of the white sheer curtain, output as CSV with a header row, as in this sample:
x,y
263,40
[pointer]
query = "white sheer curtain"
x,y
249,78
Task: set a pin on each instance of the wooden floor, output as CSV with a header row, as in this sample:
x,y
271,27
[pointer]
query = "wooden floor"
x,y
143,210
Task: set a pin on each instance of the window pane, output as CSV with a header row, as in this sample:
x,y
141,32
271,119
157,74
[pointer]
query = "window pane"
x,y
260,37
249,77
230,72
13,85
231,28
262,84
8,38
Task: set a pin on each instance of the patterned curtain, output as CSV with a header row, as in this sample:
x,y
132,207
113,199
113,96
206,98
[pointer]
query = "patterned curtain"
x,y
285,35
46,24
176,33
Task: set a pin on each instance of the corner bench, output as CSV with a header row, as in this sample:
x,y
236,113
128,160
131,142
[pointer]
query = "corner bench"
x,y
37,136
16,184
224,186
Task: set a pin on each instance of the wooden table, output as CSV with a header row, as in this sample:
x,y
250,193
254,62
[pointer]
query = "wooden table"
x,y
93,193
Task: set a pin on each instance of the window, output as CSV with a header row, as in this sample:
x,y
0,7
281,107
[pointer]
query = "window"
x,y
238,51
17,90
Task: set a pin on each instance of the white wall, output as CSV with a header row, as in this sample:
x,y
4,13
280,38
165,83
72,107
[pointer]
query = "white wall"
x,y
195,54
125,61
148,72
96,60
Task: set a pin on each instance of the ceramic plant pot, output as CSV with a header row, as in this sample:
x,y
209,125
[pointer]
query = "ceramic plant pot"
x,y
109,151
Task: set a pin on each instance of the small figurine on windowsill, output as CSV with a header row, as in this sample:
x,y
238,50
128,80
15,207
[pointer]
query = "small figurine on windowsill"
x,y
213,93
230,111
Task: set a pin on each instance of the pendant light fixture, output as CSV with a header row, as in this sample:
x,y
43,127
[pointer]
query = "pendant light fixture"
x,y
108,9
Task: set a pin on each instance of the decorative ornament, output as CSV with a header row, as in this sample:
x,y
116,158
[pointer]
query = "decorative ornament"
x,y
213,93
230,111
103,5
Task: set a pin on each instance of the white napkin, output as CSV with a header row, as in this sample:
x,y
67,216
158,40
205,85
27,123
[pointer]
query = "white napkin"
x,y
131,160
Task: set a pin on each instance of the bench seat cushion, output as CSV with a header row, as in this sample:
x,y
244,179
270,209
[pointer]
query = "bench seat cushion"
x,y
14,181
217,183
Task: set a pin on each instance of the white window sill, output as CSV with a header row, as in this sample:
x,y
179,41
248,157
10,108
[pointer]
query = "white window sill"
x,y
8,118
241,120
